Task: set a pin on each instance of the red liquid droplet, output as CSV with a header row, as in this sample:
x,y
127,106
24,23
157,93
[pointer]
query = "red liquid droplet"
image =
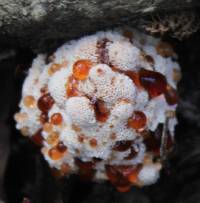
x,y
122,145
81,69
56,119
37,138
154,82
171,96
45,102
137,121
61,147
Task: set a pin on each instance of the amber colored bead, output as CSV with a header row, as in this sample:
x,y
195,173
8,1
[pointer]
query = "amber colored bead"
x,y
53,138
164,49
45,102
138,120
171,96
81,69
24,131
154,82
122,145
56,119
93,142
72,87
55,153
56,67
29,101
21,117
48,127
37,138
61,147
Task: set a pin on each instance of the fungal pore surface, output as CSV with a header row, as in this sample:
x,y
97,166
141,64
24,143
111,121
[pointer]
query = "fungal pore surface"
x,y
103,107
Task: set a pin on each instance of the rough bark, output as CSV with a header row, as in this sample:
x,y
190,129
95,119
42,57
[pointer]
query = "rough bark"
x,y
42,23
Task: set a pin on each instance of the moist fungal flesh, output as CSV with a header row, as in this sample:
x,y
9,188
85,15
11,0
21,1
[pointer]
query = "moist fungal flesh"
x,y
103,107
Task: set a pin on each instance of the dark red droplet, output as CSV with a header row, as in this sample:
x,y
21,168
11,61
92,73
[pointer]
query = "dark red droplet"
x,y
61,147
37,137
154,82
122,145
171,96
137,121
45,102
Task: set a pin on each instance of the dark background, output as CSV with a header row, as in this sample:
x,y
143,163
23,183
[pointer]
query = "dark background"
x,y
25,176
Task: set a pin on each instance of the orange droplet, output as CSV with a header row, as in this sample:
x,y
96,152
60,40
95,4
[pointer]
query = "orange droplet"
x,y
24,131
56,67
137,121
56,119
21,117
53,138
29,101
55,153
81,69
48,127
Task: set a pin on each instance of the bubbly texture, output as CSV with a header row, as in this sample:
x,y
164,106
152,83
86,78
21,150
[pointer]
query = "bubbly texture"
x,y
103,107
